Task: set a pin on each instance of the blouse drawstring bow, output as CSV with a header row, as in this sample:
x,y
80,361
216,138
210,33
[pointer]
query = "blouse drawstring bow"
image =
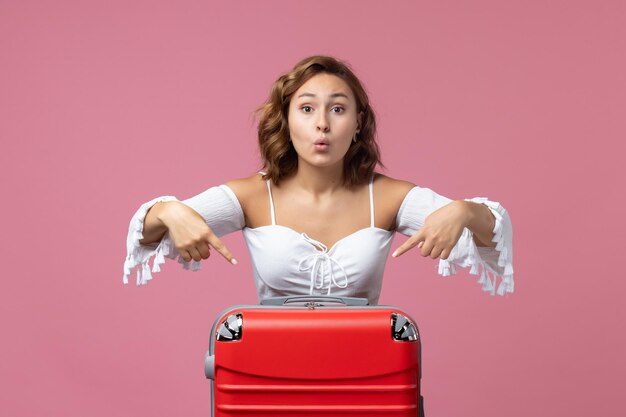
x,y
321,266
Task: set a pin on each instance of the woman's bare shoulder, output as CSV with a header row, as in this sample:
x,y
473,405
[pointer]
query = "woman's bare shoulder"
x,y
253,198
392,188
248,189
389,194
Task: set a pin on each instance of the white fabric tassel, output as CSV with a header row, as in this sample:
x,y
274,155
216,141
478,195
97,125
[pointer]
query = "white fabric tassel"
x,y
159,259
146,276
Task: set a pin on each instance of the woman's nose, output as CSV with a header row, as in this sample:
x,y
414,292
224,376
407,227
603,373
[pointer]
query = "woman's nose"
x,y
322,123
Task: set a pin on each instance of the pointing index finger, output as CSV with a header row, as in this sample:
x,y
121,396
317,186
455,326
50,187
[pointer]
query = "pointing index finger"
x,y
416,240
413,241
219,246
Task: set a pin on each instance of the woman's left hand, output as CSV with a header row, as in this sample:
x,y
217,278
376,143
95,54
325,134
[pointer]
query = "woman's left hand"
x,y
440,232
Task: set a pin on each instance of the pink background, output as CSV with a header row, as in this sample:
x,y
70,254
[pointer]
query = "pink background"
x,y
105,105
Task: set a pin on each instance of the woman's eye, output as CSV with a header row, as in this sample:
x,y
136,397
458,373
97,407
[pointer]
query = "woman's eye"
x,y
309,109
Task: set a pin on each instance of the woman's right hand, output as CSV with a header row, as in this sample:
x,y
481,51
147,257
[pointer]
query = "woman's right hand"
x,y
190,234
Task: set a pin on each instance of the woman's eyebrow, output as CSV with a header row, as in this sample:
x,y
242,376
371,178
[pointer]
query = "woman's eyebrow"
x,y
332,95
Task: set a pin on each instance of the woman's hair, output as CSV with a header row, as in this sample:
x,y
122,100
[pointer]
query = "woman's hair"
x,y
280,157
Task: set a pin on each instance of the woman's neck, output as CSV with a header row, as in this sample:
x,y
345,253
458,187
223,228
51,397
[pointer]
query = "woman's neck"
x,y
318,181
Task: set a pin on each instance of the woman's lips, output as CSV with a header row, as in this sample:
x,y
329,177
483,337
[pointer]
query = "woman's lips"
x,y
321,144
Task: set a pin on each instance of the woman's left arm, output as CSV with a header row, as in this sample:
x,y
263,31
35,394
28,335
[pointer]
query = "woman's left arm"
x,y
475,233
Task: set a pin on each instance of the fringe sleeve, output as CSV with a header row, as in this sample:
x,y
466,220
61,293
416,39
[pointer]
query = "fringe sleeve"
x,y
489,263
218,206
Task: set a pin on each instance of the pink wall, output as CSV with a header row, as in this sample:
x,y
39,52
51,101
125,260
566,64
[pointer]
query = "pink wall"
x,y
104,105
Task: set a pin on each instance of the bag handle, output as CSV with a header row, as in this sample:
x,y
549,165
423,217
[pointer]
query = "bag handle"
x,y
349,301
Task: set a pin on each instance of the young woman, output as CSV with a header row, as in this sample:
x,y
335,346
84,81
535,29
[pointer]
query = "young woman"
x,y
318,220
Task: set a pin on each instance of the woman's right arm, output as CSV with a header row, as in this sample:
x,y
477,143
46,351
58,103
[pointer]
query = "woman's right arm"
x,y
166,227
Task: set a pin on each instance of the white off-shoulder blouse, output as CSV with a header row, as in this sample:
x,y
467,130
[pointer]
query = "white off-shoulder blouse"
x,y
223,214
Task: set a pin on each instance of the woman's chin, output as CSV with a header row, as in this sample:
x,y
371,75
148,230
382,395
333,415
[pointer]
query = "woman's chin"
x,y
321,161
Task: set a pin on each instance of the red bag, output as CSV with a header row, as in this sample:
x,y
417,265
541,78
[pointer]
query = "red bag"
x,y
316,358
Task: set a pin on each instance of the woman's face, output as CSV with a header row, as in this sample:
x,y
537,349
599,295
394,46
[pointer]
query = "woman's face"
x,y
323,120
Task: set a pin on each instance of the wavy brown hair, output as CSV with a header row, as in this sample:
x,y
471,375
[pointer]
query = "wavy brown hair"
x,y
278,154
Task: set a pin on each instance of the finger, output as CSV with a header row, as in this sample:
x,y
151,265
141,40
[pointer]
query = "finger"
x,y
436,252
221,248
409,244
203,249
427,247
445,254
184,254
195,254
